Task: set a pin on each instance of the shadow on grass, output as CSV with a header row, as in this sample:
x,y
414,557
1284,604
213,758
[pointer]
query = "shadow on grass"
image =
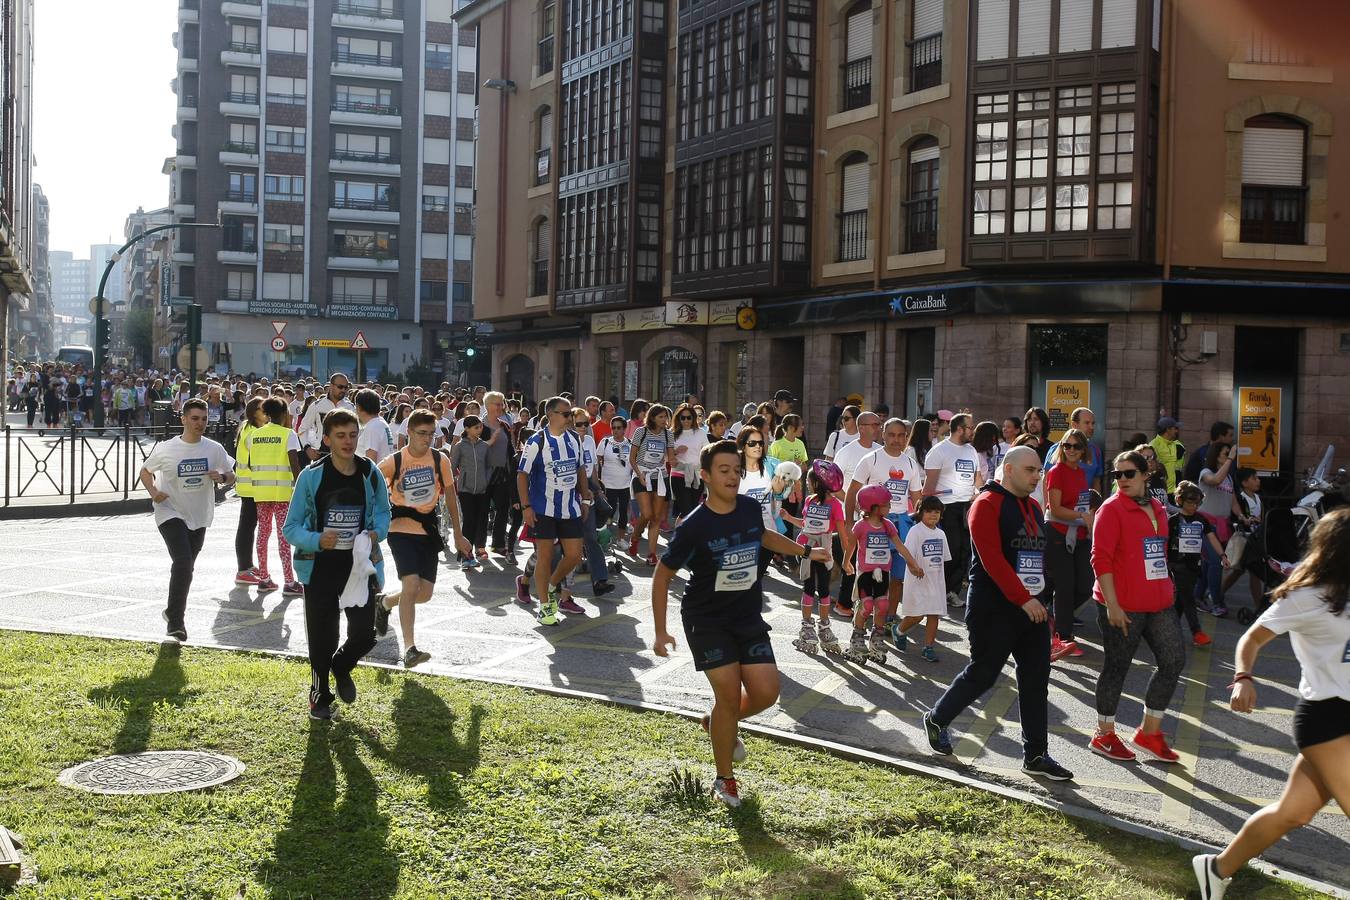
x,y
787,874
427,746
166,682
333,848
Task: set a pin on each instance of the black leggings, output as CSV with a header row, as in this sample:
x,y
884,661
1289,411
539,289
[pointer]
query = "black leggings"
x,y
619,499
473,512
184,544
243,537
1161,631
1071,576
817,584
1185,577
686,497
322,630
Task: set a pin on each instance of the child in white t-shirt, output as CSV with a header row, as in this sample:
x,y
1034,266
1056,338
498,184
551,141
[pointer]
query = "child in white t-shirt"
x,y
925,598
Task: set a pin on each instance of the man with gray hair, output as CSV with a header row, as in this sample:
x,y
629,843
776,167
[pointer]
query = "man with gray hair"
x,y
1005,616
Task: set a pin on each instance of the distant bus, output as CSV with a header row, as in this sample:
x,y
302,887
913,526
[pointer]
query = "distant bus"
x,y
76,355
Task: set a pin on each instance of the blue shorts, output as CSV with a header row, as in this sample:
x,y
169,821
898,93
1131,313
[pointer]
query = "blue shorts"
x,y
902,523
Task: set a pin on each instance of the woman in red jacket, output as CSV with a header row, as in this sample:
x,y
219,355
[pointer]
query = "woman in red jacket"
x,y
1134,593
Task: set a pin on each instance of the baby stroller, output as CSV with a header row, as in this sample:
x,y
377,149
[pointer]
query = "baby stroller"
x,y
1271,550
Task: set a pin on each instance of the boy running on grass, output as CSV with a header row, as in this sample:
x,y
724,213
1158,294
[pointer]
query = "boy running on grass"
x,y
719,542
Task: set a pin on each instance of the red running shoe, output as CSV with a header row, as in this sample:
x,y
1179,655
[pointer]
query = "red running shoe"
x,y
1060,649
1110,746
1155,745
725,790
1200,639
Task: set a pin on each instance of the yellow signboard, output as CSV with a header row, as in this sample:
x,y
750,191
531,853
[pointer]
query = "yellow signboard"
x,y
1259,429
329,342
1061,399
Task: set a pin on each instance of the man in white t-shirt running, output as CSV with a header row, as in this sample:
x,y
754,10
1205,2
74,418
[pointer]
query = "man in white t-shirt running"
x,y
181,474
953,474
376,439
311,429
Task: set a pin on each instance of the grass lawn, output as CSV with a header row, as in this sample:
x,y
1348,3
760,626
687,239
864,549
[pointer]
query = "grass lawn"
x,y
435,788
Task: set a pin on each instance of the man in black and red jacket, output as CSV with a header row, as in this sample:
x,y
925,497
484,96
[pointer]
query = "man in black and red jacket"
x,y
1004,613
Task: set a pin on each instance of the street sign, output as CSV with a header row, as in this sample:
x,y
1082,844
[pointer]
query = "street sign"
x,y
185,358
93,306
332,343
164,352
278,327
359,342
279,344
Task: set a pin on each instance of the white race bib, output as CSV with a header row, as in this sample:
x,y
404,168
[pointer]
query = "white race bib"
x,y
817,518
877,549
932,553
738,568
1155,558
1190,536
346,521
418,485
965,470
1031,570
192,473
564,473
899,488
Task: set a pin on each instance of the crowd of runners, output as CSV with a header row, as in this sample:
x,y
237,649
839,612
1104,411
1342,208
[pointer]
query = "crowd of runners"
x,y
891,527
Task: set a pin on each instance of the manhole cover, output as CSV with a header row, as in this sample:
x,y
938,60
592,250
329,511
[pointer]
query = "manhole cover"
x,y
154,772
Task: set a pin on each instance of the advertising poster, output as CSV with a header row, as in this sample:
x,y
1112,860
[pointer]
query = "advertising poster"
x,y
1259,429
1061,399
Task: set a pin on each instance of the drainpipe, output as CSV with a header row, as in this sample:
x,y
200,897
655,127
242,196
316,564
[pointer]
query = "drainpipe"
x,y
502,153
1165,323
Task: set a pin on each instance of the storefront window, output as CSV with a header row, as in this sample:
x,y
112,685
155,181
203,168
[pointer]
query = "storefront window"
x,y
1068,370
852,371
677,375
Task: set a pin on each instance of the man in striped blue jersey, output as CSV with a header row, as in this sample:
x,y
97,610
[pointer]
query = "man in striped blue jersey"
x,y
557,498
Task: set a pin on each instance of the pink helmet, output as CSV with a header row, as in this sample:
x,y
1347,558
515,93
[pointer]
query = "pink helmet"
x,y
827,475
873,495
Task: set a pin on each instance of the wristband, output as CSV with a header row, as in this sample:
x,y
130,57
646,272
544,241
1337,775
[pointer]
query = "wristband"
x,y
1242,676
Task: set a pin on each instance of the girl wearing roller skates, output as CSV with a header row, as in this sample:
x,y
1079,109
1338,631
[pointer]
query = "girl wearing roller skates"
x,y
822,518
876,540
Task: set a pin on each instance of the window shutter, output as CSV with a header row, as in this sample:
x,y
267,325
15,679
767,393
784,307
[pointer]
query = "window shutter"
x,y
1118,18
859,36
927,18
1033,28
543,241
1075,25
991,36
1272,156
924,154
546,130
855,187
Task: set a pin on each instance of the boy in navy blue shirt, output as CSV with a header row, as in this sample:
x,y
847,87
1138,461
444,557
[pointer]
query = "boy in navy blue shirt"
x,y
719,542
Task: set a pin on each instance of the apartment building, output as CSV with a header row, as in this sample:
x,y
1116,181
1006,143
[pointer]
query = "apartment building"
x,y
16,165
33,328
334,138
936,203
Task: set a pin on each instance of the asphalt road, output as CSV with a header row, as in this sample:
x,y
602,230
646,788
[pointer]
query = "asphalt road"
x,y
109,577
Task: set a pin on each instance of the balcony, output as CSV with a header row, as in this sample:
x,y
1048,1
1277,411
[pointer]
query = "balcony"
x,y
243,9
244,253
359,112
539,278
239,154
357,163
366,258
187,107
856,77
241,103
371,15
925,62
541,165
353,210
241,54
853,236
241,203
288,99
1274,215
366,65
921,224
187,63
189,11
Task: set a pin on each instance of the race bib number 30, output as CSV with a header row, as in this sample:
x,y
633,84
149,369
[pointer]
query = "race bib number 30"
x,y
817,518
418,485
877,550
1190,535
346,521
564,473
737,568
932,553
1031,570
192,473
1155,558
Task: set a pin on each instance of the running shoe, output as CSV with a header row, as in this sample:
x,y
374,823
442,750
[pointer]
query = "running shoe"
x,y
548,609
899,638
482,553
466,565
930,654
321,712
1212,887
1060,649
571,607
381,616
293,589
1110,746
633,547
737,752
346,688
602,588
266,585
938,738
175,631
651,560
1219,610
501,551
523,592
1155,745
1200,639
249,577
415,657
1046,767
955,600
725,790
1075,650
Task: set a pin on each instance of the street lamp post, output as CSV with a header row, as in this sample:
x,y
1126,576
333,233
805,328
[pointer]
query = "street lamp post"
x,y
101,326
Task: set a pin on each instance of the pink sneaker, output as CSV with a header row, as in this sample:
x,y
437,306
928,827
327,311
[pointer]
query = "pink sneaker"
x,y
249,577
570,606
523,592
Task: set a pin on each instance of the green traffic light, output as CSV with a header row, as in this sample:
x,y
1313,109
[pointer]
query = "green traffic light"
x,y
470,352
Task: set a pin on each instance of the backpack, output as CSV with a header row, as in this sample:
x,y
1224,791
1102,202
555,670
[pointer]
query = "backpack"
x,y
440,455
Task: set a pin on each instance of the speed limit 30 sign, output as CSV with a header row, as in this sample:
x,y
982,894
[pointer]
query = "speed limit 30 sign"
x,y
279,344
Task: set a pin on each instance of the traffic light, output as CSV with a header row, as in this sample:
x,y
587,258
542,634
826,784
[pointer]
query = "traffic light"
x,y
469,352
102,336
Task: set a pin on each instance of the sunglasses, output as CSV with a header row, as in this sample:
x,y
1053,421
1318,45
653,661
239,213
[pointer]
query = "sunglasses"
x,y
1078,447
754,443
845,418
1123,474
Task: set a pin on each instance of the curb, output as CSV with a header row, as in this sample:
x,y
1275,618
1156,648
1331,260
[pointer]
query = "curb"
x,y
842,751
138,506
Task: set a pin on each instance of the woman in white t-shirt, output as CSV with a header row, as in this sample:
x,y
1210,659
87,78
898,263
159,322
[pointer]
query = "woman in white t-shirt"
x,y
616,473
845,435
689,443
1311,607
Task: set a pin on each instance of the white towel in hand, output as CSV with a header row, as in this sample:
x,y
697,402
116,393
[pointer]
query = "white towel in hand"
x,y
357,589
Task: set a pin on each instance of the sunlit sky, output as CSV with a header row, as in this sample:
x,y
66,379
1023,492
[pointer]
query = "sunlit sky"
x,y
102,111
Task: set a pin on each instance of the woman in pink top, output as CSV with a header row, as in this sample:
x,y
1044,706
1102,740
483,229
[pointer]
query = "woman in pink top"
x,y
1068,561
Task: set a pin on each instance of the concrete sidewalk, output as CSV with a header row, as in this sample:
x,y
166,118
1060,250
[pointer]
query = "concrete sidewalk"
x,y
108,577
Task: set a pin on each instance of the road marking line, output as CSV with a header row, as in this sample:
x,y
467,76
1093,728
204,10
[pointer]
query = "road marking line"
x,y
1181,785
970,745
